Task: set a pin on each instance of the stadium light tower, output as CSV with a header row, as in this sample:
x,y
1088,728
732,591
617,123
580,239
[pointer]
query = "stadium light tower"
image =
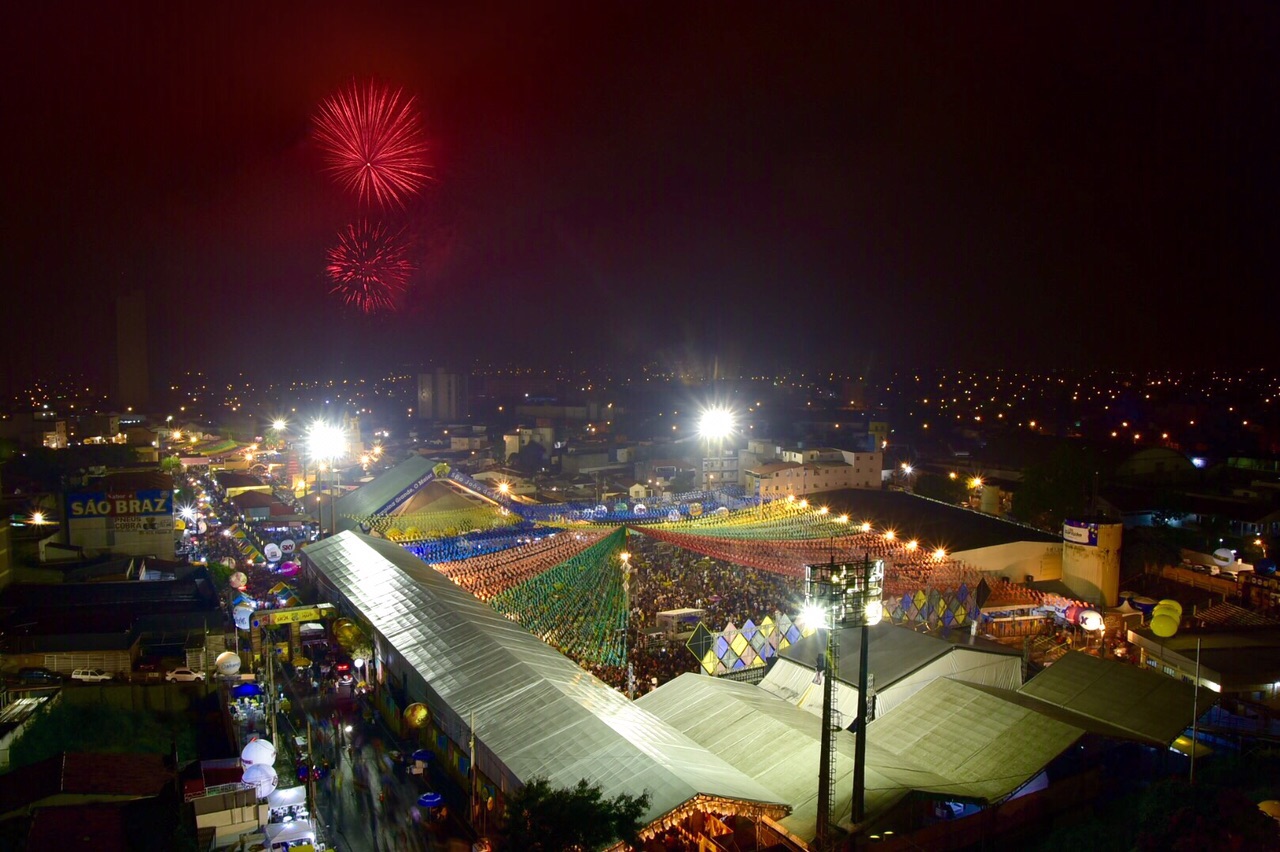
x,y
326,443
714,426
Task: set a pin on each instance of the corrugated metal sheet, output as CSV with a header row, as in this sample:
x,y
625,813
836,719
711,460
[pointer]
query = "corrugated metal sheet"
x,y
986,746
371,497
949,739
1150,706
536,712
779,744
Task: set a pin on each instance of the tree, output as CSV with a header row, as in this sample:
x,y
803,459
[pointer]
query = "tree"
x,y
1057,488
542,819
102,728
942,488
171,464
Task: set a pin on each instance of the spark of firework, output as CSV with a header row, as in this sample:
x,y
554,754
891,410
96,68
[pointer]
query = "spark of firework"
x,y
373,144
370,266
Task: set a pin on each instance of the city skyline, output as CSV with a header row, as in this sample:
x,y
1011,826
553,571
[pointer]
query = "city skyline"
x,y
862,189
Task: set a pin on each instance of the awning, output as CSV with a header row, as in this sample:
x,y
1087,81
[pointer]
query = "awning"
x,y
287,797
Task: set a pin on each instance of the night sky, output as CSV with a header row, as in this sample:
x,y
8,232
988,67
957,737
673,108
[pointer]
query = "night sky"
x,y
770,185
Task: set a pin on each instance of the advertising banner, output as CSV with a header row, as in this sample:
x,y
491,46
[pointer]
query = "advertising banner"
x,y
102,504
1079,532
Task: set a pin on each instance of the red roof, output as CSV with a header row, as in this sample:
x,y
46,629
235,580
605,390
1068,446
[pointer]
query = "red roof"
x,y
100,828
86,774
253,500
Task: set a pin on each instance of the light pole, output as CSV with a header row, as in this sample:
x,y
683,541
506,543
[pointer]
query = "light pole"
x,y
714,426
843,595
868,611
821,602
326,443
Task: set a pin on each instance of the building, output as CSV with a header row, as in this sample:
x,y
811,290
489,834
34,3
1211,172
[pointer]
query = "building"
x,y
40,428
95,801
127,514
132,385
820,471
442,396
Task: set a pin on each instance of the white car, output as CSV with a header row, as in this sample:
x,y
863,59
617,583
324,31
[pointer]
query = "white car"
x,y
90,675
183,675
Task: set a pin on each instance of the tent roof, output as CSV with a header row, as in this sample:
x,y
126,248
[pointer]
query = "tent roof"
x,y
894,651
950,739
535,710
776,743
372,497
1146,705
986,745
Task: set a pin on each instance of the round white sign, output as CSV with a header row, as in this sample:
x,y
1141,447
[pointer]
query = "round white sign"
x,y
272,552
288,545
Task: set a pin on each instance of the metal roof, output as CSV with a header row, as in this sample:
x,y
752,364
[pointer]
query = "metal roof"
x,y
929,520
986,746
770,740
894,652
1147,705
949,739
370,498
535,711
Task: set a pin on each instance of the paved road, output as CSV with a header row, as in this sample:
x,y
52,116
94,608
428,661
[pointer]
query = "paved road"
x,y
369,803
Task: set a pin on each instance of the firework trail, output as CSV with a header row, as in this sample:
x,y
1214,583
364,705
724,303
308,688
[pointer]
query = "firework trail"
x,y
373,145
370,266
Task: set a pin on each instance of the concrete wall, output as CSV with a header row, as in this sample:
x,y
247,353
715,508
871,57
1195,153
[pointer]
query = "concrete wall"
x,y
1017,560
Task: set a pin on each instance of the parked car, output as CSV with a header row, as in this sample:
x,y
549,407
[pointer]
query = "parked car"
x,y
183,675
38,674
90,675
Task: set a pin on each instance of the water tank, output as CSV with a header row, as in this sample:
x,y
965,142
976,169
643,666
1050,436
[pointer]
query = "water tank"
x,y
1091,560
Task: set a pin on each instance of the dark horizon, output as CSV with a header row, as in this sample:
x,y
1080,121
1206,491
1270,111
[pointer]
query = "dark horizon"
x,y
838,188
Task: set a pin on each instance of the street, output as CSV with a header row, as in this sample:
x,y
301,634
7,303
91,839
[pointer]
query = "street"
x,y
368,802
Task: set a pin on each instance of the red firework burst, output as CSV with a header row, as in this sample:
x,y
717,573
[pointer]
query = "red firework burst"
x,y
373,143
370,266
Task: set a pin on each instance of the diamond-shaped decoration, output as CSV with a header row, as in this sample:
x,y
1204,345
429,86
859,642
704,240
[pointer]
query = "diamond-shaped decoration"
x,y
792,635
749,656
759,641
749,630
709,662
981,593
721,645
739,644
919,599
962,593
701,641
